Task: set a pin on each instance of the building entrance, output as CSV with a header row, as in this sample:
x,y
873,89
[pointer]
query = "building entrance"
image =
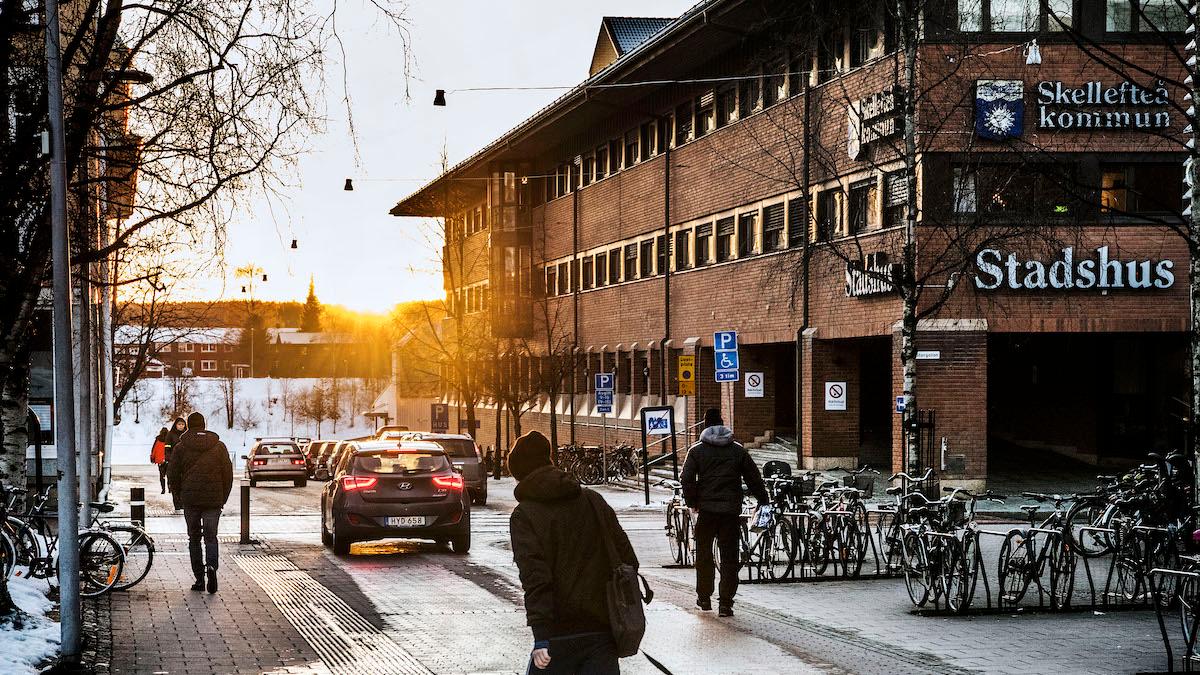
x,y
1093,399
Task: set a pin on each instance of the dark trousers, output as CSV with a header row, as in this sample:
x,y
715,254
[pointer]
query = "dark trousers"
x,y
202,524
586,654
726,528
162,476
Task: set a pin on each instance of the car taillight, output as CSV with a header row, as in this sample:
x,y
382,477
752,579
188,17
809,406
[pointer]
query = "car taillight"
x,y
260,462
297,461
448,482
352,483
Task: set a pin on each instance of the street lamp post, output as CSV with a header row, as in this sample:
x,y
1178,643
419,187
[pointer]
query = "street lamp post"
x,y
64,380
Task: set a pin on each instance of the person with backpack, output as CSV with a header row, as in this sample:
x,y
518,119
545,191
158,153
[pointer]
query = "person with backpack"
x,y
562,535
158,457
712,486
201,478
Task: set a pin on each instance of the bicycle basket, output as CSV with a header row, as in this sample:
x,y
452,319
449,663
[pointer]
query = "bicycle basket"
x,y
866,485
805,486
956,513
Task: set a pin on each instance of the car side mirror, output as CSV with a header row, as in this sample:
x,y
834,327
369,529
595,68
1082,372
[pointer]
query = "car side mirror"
x,y
245,457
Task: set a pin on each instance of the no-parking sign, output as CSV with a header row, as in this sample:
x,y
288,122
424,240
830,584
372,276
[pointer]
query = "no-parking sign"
x,y
835,395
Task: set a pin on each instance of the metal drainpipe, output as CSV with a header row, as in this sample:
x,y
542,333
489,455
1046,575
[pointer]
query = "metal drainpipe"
x,y
662,352
574,279
806,258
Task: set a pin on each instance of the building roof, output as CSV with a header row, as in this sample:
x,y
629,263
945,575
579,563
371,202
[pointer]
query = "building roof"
x,y
630,31
427,201
132,334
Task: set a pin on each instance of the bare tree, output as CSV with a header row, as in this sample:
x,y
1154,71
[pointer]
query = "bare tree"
x,y
227,385
247,418
180,390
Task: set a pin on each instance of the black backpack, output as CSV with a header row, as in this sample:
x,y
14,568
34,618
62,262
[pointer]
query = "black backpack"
x,y
626,596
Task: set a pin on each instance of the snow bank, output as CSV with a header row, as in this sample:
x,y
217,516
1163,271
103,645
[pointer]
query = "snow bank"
x,y
260,410
24,650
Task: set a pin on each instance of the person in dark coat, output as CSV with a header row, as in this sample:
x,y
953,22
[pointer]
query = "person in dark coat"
x,y
158,456
558,545
712,486
201,478
178,427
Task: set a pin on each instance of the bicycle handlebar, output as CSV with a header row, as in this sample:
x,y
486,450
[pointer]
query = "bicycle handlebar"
x,y
927,476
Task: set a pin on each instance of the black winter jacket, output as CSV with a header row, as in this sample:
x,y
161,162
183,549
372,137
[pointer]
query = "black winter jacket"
x,y
173,437
200,474
557,545
713,473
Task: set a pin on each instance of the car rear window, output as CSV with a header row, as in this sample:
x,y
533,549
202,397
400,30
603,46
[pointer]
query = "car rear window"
x,y
457,447
278,449
390,462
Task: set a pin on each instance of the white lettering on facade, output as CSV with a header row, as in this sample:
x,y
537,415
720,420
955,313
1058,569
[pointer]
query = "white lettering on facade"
x,y
1065,108
995,270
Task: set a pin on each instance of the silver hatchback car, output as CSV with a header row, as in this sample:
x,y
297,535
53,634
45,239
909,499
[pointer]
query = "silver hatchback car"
x,y
276,459
464,454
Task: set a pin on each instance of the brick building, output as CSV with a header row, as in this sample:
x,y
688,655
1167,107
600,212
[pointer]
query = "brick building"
x,y
743,167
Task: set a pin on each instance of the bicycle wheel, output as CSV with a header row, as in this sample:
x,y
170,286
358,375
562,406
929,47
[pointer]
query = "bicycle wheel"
x,y
26,545
914,569
1162,555
889,534
1129,563
676,543
1015,568
783,549
849,548
958,573
100,563
1088,513
8,556
819,545
138,548
1062,573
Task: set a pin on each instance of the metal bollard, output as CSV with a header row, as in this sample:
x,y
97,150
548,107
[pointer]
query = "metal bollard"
x,y
245,512
137,506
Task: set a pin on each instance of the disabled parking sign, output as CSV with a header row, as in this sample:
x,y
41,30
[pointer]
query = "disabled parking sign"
x,y
725,356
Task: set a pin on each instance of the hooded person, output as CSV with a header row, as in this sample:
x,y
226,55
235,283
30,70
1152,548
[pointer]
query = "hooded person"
x,y
558,531
201,477
712,480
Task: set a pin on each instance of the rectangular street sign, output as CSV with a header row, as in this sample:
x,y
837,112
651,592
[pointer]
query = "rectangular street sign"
x,y
725,355
605,381
725,340
754,385
687,375
727,361
727,376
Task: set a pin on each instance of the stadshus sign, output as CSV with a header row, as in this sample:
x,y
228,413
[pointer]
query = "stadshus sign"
x,y
995,270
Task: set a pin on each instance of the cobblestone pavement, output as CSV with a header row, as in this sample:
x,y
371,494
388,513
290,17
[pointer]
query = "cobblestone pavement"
x,y
288,605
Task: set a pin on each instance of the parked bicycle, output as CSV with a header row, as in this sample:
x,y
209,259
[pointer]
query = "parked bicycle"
x,y
680,538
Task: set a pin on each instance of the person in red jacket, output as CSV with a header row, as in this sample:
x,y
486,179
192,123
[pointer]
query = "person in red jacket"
x,y
158,456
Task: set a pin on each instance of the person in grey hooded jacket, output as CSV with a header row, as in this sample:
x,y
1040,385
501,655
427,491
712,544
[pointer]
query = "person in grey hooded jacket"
x,y
712,485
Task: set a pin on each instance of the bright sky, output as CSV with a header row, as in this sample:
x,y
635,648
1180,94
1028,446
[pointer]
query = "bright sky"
x,y
362,257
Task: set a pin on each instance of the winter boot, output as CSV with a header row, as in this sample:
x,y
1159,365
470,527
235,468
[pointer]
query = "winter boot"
x,y
704,604
212,579
199,585
725,610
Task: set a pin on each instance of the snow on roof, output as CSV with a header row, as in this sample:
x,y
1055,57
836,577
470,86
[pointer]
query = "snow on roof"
x,y
131,334
294,336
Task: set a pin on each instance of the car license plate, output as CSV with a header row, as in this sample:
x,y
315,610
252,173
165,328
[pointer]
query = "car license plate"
x,y
277,460
406,521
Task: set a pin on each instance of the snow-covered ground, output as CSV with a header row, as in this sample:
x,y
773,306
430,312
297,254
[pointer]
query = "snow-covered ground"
x,y
23,650
262,408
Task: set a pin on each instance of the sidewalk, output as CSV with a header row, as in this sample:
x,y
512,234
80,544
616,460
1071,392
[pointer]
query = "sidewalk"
x,y
161,626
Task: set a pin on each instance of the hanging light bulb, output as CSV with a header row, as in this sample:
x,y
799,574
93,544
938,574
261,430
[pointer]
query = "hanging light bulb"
x,y
294,246
264,277
439,97
243,289
349,185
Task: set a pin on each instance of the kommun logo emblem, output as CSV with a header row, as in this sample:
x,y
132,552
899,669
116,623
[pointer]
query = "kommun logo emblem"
x,y
999,109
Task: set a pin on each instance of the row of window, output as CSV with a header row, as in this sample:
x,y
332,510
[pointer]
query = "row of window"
x,y
1125,189
182,347
763,229
1032,16
472,299
206,366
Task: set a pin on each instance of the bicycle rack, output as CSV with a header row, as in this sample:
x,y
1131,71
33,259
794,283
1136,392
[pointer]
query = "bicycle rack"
x,y
836,569
1189,659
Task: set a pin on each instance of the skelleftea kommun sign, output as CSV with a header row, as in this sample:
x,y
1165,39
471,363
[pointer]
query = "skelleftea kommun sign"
x,y
1066,106
871,119
1099,269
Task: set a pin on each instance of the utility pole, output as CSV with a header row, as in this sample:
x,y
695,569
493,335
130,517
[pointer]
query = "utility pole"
x,y
1192,212
64,379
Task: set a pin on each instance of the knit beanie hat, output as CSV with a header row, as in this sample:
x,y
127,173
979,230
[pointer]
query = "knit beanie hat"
x,y
530,452
712,418
195,421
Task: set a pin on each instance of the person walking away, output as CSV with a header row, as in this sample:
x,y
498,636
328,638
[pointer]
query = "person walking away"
x,y
712,486
558,531
201,477
158,457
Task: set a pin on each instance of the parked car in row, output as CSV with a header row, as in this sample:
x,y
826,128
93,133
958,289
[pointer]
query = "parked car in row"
x,y
464,454
317,458
395,489
276,459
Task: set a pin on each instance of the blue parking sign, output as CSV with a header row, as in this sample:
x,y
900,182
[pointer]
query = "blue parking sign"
x,y
725,340
727,376
604,381
727,361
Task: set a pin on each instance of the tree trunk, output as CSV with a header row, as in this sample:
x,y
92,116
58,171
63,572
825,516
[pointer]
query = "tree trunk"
x,y
515,415
14,412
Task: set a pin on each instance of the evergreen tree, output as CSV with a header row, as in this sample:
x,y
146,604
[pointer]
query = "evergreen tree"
x,y
310,319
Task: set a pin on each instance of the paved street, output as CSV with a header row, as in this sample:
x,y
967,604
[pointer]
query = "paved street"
x,y
287,605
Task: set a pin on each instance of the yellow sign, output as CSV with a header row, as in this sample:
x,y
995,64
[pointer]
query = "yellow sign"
x,y
687,375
